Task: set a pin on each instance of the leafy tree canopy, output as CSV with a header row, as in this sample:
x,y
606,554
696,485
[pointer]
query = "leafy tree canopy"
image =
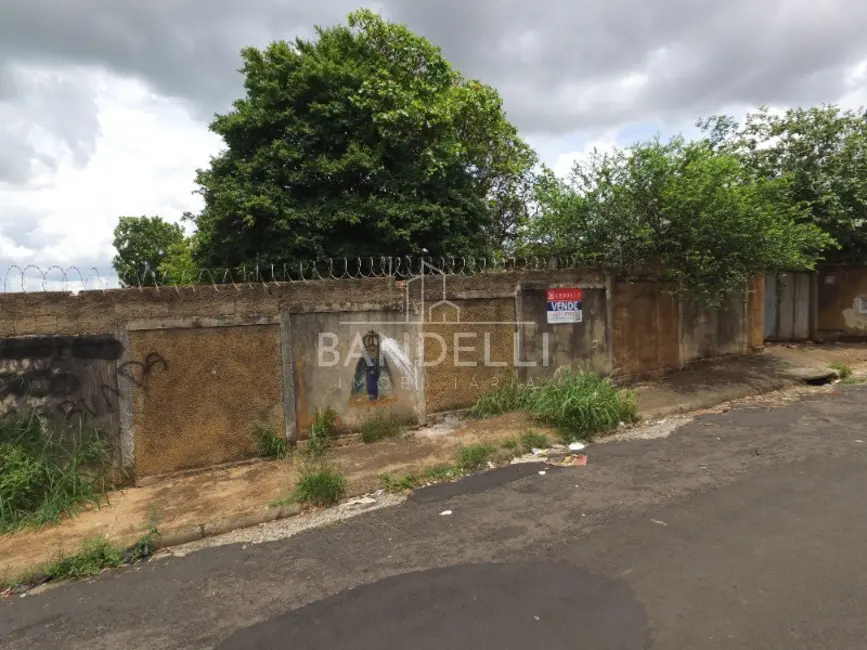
x,y
362,142
823,150
142,244
705,218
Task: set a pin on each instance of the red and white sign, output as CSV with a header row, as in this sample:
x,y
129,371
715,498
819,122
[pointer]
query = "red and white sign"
x,y
564,305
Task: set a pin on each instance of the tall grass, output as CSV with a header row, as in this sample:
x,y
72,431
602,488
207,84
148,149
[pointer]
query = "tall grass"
x,y
321,432
269,443
578,404
45,473
321,487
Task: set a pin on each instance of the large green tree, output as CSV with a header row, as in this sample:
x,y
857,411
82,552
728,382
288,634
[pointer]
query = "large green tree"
x,y
364,141
142,245
705,219
823,150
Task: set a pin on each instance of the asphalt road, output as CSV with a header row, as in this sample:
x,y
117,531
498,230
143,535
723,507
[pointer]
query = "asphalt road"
x,y
743,530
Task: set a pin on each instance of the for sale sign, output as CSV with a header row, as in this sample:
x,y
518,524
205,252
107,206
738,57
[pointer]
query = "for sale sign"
x,y
564,305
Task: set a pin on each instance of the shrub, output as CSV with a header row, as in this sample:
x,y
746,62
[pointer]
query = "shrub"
x,y
322,431
510,444
269,443
403,483
843,371
472,458
507,398
534,440
46,474
439,473
321,487
379,428
582,404
96,554
579,404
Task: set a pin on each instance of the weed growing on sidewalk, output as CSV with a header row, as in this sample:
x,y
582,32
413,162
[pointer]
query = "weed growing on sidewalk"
x,y
578,404
320,487
473,458
507,398
843,371
534,440
510,444
440,473
269,443
321,432
392,483
45,473
379,428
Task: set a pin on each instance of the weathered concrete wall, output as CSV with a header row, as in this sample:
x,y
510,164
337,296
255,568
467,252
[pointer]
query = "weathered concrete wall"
x,y
72,381
646,329
469,349
549,347
193,371
330,368
756,313
199,393
842,300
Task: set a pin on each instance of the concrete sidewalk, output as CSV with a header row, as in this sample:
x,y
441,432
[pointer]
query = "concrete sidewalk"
x,y
217,501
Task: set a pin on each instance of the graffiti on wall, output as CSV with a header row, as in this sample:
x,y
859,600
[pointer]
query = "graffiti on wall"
x,y
372,379
69,376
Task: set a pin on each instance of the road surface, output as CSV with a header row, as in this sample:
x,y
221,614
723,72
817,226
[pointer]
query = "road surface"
x,y
745,529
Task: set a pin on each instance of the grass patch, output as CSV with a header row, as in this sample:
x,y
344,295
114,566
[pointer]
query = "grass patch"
x,y
508,398
534,440
843,371
852,381
392,483
440,473
474,457
578,404
510,444
320,487
379,428
321,432
45,474
269,443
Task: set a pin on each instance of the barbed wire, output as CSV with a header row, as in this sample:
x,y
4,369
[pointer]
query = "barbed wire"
x,y
32,278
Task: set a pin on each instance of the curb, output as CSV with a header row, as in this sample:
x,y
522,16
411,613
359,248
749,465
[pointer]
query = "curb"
x,y
711,401
194,532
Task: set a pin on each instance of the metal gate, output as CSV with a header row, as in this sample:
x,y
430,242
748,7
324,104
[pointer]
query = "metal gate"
x,y
787,306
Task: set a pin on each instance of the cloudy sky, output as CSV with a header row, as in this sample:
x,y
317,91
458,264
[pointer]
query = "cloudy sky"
x,y
104,104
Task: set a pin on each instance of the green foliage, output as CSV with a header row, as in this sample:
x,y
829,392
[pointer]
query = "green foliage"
x,y
822,151
179,266
321,432
320,487
510,444
582,404
143,244
534,440
392,483
379,428
700,214
361,142
474,457
46,474
843,371
578,404
440,473
853,381
508,397
270,444
96,554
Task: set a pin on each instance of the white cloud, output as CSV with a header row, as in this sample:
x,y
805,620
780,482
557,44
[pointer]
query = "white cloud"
x,y
143,162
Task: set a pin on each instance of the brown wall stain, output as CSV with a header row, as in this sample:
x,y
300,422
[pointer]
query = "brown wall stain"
x,y
756,312
449,386
839,310
645,328
202,393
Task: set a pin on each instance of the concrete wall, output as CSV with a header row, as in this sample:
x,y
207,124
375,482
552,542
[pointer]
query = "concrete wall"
x,y
842,301
329,368
181,377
